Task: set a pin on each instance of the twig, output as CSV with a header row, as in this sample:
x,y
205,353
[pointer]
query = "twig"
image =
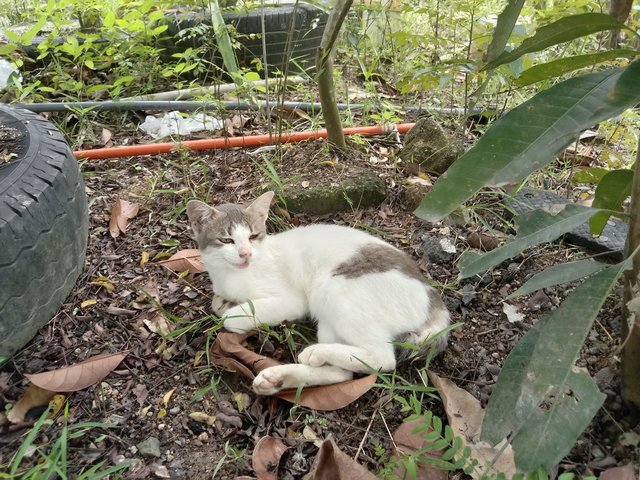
x,y
366,434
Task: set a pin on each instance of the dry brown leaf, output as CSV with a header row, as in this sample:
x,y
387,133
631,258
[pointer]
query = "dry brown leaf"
x,y
406,443
229,351
333,464
120,214
182,260
202,417
106,138
79,376
330,397
465,418
34,396
266,456
626,472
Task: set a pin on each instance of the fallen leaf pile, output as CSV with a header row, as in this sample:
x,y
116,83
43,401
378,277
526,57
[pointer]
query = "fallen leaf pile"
x,y
330,463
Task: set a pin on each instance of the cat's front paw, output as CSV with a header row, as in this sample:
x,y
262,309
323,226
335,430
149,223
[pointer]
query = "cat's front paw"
x,y
314,356
269,381
238,321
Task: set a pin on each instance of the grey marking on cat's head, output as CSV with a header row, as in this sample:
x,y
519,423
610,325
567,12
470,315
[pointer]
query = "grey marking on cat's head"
x,y
378,258
209,224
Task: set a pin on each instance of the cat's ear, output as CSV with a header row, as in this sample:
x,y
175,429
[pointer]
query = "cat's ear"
x,y
199,214
260,206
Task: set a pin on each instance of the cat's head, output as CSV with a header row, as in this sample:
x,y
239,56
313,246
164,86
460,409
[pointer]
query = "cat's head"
x,y
230,234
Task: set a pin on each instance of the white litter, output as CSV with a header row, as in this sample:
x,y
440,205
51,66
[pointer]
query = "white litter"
x,y
175,124
512,312
6,70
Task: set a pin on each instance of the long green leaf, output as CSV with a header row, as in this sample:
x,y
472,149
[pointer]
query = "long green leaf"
x,y
535,227
560,31
561,66
532,134
506,21
557,275
589,175
612,190
540,400
222,38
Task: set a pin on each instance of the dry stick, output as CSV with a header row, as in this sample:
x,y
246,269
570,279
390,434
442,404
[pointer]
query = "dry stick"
x,y
630,357
366,434
395,446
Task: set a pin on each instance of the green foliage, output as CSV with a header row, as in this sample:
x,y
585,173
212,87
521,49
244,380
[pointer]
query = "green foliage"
x,y
557,275
531,135
540,400
613,189
560,31
535,227
556,68
52,455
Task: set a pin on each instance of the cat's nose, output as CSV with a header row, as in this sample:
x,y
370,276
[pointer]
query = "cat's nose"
x,y
245,254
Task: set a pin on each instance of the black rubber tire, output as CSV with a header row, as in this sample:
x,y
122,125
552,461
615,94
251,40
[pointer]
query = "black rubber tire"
x,y
44,227
307,21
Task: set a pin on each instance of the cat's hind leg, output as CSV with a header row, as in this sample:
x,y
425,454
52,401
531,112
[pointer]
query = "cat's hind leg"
x,y
355,359
292,375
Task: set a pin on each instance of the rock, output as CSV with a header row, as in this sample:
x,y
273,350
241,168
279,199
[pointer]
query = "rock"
x,y
149,447
363,190
428,145
413,194
438,250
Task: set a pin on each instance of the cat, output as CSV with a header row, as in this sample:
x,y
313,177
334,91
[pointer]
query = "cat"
x,y
362,292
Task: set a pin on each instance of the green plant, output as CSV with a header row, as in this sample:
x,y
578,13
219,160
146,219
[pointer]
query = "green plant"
x,y
53,455
539,394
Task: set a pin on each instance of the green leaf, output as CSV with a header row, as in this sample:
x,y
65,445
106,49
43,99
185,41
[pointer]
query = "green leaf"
x,y
589,175
506,21
532,134
109,19
540,398
569,64
27,37
535,227
563,30
612,190
557,275
222,38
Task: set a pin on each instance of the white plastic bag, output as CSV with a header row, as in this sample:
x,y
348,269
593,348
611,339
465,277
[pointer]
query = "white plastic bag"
x,y
6,70
175,124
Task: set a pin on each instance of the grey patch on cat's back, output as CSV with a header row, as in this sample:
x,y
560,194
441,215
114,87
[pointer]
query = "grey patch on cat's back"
x,y
377,258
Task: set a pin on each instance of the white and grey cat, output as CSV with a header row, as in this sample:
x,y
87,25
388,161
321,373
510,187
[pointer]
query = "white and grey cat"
x,y
363,293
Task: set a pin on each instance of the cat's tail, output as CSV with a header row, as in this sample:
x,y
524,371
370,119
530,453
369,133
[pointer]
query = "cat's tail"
x,y
432,336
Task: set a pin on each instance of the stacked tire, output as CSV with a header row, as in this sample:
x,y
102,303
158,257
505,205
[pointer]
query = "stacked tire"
x,y
43,225
292,36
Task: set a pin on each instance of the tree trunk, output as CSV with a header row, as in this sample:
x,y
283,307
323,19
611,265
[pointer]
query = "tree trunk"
x,y
630,358
620,10
324,62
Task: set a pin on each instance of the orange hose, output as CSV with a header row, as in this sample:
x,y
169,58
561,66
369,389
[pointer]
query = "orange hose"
x,y
231,142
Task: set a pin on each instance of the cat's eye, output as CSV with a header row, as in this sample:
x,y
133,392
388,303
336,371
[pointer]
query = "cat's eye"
x,y
254,236
225,240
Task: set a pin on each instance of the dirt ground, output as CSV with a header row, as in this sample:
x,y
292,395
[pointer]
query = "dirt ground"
x,y
110,311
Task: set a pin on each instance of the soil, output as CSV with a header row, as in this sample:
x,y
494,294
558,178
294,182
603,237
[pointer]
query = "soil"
x,y
10,144
163,380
